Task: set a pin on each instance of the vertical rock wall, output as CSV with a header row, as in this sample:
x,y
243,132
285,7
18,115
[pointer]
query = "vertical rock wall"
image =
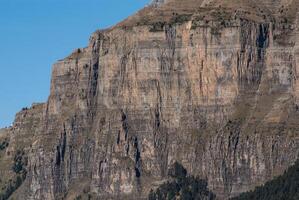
x,y
219,99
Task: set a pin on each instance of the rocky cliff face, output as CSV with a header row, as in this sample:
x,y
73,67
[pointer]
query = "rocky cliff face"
x,y
157,2
209,84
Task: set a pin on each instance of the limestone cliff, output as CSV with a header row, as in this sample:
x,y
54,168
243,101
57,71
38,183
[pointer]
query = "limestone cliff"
x,y
207,83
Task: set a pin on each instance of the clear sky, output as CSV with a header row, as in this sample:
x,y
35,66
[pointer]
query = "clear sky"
x,y
36,33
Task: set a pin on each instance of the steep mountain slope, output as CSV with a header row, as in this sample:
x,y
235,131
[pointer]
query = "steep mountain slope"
x,y
285,187
211,85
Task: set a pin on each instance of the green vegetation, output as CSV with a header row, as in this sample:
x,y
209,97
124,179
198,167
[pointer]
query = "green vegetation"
x,y
20,161
12,186
157,27
284,187
180,18
85,196
3,145
176,19
183,187
24,109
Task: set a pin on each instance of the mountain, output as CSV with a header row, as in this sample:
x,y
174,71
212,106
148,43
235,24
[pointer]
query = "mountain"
x,y
209,84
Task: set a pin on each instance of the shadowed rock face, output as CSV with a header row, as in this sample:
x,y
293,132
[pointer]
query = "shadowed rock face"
x,y
209,84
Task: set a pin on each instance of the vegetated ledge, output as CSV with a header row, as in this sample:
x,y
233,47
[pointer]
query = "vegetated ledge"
x,y
158,19
215,18
151,16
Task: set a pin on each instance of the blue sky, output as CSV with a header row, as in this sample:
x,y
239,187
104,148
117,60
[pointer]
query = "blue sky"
x,y
36,33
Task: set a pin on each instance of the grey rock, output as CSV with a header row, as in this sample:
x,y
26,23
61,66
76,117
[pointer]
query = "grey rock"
x,y
214,90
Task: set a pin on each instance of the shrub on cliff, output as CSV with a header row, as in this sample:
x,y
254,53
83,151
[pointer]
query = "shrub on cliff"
x,y
3,145
20,161
177,171
182,187
180,19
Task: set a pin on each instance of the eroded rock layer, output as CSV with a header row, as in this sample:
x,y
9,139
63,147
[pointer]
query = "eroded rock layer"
x,y
209,84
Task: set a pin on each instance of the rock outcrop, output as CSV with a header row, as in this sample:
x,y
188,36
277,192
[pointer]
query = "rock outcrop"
x,y
157,2
209,84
